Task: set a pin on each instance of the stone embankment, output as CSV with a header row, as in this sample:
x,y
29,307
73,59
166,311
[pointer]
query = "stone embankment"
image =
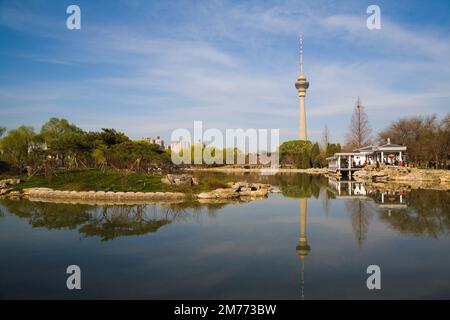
x,y
416,178
47,193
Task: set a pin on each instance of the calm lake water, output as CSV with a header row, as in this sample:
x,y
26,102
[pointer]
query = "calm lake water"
x,y
247,250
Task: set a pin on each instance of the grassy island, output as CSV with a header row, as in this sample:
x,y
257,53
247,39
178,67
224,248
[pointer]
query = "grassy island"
x,y
115,181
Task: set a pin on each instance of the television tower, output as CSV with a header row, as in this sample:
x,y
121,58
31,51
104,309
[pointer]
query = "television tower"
x,y
301,85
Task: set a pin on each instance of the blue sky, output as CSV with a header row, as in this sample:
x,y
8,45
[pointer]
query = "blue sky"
x,y
149,67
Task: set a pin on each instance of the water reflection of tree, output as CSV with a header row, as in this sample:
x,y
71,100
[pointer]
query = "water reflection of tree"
x,y
300,185
108,222
49,215
117,221
360,213
196,207
326,195
428,214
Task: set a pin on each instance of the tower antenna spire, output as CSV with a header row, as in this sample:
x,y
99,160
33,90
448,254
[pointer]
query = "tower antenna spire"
x,y
301,55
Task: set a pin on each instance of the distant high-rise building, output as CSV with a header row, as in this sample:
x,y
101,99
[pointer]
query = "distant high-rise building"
x,y
301,85
158,141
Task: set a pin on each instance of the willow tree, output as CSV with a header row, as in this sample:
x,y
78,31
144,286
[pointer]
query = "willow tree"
x,y
18,147
359,134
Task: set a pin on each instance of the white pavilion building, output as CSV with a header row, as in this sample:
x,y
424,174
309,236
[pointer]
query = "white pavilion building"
x,y
389,153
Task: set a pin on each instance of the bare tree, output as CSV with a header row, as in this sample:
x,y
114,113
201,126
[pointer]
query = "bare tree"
x,y
427,139
444,141
325,138
359,133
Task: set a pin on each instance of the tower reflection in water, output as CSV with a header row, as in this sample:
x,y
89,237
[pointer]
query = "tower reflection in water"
x,y
303,247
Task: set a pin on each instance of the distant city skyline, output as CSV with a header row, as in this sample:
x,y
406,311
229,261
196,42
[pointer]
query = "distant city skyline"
x,y
147,68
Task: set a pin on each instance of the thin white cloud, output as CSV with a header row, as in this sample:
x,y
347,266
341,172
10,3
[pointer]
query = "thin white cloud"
x,y
390,36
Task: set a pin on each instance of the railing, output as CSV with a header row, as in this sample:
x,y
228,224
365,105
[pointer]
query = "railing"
x,y
333,167
343,166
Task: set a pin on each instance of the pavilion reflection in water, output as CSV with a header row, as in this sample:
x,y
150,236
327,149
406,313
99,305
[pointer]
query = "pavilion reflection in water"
x,y
386,200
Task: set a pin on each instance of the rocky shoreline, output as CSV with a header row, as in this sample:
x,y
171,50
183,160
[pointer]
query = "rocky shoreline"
x,y
413,177
387,176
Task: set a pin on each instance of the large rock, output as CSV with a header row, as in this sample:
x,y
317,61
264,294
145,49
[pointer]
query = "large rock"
x,y
226,193
180,180
207,195
8,182
419,175
261,193
243,186
417,178
371,175
221,193
238,189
